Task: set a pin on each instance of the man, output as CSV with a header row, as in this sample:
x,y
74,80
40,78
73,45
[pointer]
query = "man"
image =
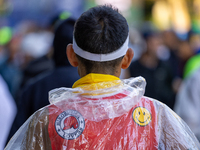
x,y
101,111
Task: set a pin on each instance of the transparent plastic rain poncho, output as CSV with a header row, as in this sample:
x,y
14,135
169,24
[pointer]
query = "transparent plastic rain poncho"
x,y
113,115
187,104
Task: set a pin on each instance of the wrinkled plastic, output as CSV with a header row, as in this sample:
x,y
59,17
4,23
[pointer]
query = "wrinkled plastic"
x,y
116,117
187,104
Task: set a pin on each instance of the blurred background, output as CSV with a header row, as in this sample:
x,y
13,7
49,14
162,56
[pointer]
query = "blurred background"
x,y
164,34
24,23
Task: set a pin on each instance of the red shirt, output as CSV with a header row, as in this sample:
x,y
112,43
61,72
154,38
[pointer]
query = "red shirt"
x,y
136,129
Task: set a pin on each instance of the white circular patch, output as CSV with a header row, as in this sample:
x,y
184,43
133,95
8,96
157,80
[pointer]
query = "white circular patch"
x,y
70,124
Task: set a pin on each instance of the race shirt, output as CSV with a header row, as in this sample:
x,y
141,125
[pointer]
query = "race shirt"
x,y
136,129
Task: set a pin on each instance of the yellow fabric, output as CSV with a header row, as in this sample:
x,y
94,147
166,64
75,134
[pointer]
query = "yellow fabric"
x,y
96,81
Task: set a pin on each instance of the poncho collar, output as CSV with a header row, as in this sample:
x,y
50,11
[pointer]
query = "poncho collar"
x,y
94,78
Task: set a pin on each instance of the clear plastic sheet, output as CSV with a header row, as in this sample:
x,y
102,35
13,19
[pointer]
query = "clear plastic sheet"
x,y
108,115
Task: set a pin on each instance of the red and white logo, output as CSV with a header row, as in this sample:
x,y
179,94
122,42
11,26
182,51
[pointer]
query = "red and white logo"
x,y
70,124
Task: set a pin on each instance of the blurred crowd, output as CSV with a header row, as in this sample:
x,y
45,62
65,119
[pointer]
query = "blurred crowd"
x,y
164,59
161,59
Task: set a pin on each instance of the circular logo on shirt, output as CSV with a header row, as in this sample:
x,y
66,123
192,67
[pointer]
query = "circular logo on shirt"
x,y
70,124
141,116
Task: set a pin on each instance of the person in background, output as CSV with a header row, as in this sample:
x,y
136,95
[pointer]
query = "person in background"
x,y
188,102
8,111
34,95
157,72
191,65
36,48
101,111
9,64
185,52
171,41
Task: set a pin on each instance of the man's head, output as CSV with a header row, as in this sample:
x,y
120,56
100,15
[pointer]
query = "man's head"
x,y
63,36
100,43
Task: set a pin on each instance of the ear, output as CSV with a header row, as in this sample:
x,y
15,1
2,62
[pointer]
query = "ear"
x,y
126,61
71,55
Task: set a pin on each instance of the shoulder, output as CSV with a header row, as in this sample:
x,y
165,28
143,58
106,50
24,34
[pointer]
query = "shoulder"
x,y
170,126
41,115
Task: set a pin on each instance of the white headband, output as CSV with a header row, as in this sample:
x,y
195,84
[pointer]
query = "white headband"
x,y
101,57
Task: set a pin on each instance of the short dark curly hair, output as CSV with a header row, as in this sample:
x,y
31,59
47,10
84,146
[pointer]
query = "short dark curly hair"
x,y
100,30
